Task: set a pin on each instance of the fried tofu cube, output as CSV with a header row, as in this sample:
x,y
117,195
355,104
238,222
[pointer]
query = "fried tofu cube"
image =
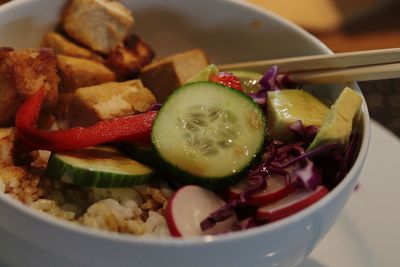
x,y
22,73
127,60
64,98
164,76
63,46
4,50
99,24
106,101
80,72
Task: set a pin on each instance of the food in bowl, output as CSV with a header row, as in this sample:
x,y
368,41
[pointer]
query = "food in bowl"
x,y
207,134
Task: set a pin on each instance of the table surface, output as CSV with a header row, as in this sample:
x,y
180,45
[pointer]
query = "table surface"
x,y
383,100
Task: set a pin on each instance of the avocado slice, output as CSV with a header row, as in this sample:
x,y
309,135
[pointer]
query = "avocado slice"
x,y
246,74
204,74
284,107
338,123
249,80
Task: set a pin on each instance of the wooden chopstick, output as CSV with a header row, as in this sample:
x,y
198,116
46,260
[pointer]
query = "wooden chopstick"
x,y
367,73
342,67
321,62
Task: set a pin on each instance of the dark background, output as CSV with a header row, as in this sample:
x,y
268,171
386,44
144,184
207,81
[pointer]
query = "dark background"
x,y
380,29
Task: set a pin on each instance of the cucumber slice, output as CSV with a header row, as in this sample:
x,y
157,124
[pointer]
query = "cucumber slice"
x,y
97,167
248,79
208,134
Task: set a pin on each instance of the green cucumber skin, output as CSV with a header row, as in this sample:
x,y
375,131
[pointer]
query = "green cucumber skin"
x,y
87,178
214,183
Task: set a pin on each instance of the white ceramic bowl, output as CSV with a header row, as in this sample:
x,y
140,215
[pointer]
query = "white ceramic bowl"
x,y
229,31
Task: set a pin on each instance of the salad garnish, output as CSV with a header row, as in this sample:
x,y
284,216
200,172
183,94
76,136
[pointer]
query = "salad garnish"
x,y
272,80
306,134
290,160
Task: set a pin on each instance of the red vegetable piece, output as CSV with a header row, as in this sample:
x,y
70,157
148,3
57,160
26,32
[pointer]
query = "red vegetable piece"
x,y
135,128
227,79
189,206
277,188
296,201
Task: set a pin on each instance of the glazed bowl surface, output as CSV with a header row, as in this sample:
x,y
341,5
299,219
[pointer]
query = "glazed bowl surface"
x,y
229,31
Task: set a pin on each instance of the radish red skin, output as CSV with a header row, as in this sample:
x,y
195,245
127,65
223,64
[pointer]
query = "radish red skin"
x,y
264,197
264,213
170,221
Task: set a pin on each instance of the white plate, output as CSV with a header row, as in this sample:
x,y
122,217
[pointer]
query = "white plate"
x,y
367,233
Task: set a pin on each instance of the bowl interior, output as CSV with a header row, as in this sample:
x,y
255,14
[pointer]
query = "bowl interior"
x,y
229,31
173,26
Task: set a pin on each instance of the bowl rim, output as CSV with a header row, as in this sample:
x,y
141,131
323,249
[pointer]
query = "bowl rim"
x,y
129,239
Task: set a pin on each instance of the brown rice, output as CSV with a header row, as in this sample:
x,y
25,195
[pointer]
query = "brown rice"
x,y
137,210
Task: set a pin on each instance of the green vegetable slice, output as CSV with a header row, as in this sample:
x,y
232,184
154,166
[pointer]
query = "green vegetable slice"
x,y
97,167
338,123
208,134
249,80
204,74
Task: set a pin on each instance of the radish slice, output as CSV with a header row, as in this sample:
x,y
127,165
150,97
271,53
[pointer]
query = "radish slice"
x,y
189,206
277,188
296,201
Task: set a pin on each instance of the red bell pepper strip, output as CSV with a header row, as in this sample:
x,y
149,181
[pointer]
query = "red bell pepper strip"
x,y
227,79
136,128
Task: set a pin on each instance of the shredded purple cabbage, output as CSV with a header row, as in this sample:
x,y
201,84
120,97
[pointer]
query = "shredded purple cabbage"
x,y
155,107
318,151
304,168
218,216
247,223
257,182
259,97
305,134
257,179
309,175
273,81
269,80
292,162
